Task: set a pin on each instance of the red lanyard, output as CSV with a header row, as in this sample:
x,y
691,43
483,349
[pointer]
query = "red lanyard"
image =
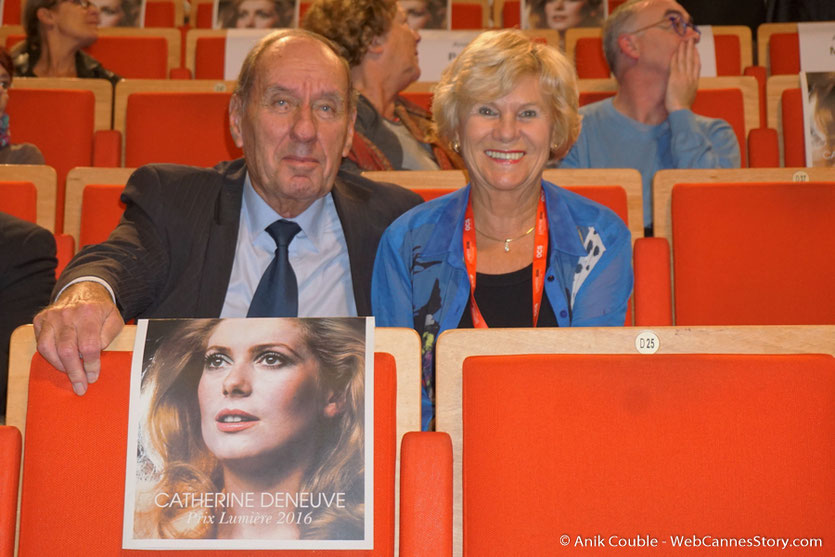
x,y
540,252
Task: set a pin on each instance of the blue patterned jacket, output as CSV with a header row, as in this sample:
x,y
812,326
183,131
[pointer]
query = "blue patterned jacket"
x,y
420,280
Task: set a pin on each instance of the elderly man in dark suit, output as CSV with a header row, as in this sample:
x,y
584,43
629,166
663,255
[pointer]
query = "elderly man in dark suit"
x,y
221,242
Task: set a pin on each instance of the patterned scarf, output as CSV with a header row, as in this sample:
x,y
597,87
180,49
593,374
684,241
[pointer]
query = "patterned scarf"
x,y
5,137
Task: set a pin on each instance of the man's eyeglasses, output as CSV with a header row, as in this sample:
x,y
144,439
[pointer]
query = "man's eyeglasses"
x,y
680,26
83,3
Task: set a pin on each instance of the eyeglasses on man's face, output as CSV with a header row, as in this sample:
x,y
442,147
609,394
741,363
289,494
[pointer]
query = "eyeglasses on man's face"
x,y
86,4
679,25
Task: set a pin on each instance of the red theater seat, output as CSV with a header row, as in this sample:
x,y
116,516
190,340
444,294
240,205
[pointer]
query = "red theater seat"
x,y
90,472
721,431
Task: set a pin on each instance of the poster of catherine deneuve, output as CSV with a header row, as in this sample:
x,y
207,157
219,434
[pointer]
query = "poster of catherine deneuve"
x,y
250,434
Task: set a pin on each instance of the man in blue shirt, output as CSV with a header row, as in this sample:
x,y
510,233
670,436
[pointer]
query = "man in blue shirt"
x,y
649,125
193,241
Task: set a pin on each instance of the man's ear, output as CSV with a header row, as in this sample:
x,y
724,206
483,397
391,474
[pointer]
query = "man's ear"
x,y
629,46
334,404
236,115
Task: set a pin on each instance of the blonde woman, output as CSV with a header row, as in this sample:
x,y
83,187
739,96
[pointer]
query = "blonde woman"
x,y
509,250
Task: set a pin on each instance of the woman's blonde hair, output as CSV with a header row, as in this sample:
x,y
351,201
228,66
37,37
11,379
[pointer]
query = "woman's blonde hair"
x,y
183,463
491,66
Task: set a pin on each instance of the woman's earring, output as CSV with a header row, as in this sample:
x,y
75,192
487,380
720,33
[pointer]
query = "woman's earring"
x,y
456,146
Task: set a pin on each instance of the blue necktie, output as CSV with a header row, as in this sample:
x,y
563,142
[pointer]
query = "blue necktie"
x,y
277,294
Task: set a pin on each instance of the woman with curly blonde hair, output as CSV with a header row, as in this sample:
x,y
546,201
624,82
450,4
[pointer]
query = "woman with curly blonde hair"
x,y
255,430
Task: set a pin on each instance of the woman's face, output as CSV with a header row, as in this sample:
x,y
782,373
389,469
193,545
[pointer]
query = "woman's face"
x,y
399,50
72,20
507,142
259,393
417,13
565,14
5,83
256,14
111,13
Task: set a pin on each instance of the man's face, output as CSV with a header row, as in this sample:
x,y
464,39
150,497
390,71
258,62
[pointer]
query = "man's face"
x,y
295,127
659,40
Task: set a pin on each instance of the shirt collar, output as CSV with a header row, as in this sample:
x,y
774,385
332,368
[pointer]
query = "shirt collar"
x,y
259,215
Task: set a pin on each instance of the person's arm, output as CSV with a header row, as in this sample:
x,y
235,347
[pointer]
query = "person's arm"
x,y
692,146
603,298
391,283
27,275
84,319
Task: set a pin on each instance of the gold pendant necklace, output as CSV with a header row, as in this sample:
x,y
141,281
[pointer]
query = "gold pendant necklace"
x,y
505,240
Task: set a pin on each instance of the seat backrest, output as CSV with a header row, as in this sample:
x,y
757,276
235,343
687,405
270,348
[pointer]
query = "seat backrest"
x,y
739,256
618,189
470,14
782,57
29,192
163,13
90,472
73,111
101,210
117,47
19,199
729,105
12,13
720,431
732,46
93,208
203,17
119,55
507,13
206,52
735,99
192,113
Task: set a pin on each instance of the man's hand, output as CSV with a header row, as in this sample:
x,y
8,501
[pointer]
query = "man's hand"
x,y
73,331
684,76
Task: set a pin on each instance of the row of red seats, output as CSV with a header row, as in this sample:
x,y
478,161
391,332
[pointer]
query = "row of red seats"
x,y
549,440
730,237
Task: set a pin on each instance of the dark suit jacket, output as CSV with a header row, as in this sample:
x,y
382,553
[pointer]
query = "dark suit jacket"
x,y
172,253
27,275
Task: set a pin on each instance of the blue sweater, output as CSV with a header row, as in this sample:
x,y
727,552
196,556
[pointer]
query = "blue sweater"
x,y
420,280
610,139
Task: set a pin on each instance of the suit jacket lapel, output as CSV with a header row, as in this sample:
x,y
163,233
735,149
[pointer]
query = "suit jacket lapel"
x,y
221,243
350,206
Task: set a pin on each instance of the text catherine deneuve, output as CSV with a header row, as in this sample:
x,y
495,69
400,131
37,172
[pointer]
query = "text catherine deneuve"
x,y
302,500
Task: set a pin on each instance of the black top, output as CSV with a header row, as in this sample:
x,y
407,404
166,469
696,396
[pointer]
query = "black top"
x,y
507,301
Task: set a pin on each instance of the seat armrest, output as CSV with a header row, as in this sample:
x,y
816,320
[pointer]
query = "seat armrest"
x,y
763,148
107,148
426,495
653,282
10,448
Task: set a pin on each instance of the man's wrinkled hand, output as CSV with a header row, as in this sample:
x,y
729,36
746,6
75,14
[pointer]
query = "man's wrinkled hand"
x,y
72,332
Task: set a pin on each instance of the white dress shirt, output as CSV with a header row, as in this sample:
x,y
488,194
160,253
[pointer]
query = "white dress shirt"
x,y
318,254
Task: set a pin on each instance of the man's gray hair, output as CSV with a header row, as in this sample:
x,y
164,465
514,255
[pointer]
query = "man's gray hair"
x,y
616,25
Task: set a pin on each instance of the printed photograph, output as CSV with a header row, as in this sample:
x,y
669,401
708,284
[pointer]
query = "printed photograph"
x,y
250,430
